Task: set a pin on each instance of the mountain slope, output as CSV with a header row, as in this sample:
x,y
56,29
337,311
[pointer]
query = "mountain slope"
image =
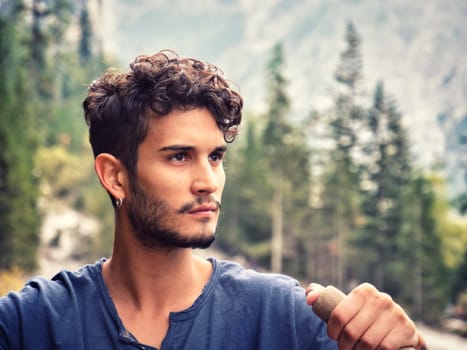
x,y
416,47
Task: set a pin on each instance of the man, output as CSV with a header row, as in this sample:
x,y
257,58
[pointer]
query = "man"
x,y
159,134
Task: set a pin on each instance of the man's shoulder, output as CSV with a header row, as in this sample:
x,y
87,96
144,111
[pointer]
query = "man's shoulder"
x,y
59,289
252,280
40,308
253,300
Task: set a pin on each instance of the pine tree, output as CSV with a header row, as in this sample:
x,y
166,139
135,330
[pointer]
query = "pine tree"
x,y
38,37
85,50
287,155
387,174
349,69
246,229
276,129
48,75
459,283
421,271
18,186
341,178
30,70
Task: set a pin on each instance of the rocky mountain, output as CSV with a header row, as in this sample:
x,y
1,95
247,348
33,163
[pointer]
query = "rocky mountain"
x,y
417,48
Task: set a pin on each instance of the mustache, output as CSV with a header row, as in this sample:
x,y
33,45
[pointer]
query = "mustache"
x,y
198,201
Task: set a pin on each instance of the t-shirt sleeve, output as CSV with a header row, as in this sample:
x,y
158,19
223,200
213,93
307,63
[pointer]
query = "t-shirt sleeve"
x,y
277,315
311,331
13,307
66,312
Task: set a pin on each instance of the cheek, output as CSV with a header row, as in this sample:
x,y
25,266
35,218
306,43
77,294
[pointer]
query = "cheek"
x,y
221,181
172,186
162,185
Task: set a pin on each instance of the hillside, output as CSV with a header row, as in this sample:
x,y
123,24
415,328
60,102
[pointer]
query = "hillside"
x,y
416,47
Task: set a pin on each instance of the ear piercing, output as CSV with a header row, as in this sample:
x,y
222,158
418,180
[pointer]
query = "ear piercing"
x,y
119,202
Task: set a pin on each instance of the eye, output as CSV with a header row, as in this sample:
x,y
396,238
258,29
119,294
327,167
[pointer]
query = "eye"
x,y
179,157
216,157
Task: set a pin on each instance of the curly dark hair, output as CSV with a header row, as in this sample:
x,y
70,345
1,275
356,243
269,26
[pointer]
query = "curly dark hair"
x,y
119,107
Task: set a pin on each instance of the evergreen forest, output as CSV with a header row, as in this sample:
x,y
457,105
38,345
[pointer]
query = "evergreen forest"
x,y
334,198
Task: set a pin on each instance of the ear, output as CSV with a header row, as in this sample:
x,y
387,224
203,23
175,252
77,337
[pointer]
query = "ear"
x,y
112,174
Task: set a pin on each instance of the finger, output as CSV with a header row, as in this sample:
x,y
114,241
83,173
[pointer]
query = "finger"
x,y
365,331
347,309
312,292
421,344
394,339
403,335
392,328
369,326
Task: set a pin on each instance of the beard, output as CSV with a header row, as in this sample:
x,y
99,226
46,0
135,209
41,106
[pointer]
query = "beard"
x,y
155,224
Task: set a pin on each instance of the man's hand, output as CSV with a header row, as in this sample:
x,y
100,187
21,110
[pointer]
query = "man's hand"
x,y
368,319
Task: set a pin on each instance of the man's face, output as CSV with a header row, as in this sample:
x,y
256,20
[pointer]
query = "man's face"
x,y
174,201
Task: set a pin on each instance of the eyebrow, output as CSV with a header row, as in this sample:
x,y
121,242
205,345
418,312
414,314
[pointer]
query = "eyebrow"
x,y
183,148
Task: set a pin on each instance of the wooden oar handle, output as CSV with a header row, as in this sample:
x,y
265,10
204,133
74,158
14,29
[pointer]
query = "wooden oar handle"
x,y
328,300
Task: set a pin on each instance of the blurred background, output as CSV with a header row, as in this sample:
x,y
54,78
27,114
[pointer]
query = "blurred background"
x,y
351,164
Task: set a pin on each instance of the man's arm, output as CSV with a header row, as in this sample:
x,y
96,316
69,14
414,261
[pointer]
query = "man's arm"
x,y
9,323
367,319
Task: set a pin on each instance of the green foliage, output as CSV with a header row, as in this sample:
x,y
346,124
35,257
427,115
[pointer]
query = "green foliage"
x,y
42,85
373,219
50,20
245,225
459,281
386,174
339,176
423,287
264,196
342,206
283,148
85,52
452,226
95,202
349,70
277,127
62,173
19,220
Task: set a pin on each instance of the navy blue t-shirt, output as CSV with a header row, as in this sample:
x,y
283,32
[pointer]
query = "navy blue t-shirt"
x,y
238,309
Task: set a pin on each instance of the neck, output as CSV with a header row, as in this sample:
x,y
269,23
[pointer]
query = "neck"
x,y
154,279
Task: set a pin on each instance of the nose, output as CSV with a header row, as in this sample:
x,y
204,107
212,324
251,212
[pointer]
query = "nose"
x,y
206,178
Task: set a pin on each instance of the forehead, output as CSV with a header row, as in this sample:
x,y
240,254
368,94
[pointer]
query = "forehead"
x,y
192,127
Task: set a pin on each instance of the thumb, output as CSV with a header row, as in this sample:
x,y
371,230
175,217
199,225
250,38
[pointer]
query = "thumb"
x,y
312,292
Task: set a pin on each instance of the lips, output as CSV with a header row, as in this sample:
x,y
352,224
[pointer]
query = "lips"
x,y
203,209
201,205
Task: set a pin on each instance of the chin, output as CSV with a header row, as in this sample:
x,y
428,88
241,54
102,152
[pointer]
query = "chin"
x,y
203,244
171,239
